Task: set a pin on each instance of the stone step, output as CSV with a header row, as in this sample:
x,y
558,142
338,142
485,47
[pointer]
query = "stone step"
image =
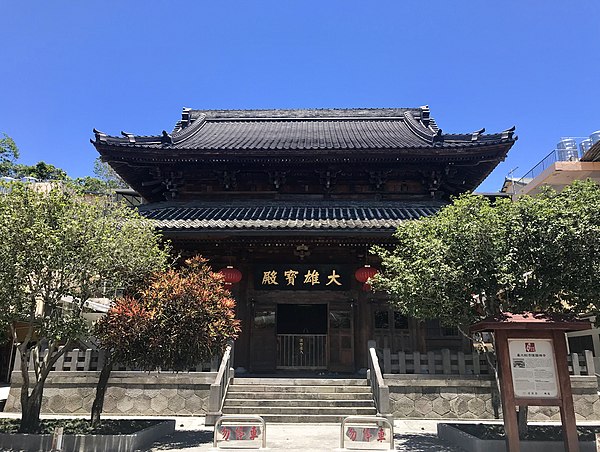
x,y
301,381
301,395
301,411
319,400
300,389
233,403
302,419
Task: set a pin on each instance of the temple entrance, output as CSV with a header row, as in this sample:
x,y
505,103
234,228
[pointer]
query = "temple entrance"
x,y
302,336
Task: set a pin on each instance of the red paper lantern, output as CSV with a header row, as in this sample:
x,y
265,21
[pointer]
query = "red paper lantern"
x,y
364,273
231,275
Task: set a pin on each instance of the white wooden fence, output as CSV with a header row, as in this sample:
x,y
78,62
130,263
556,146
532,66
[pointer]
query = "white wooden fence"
x,y
446,362
92,360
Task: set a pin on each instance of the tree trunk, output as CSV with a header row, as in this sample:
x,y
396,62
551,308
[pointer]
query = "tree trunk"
x,y
30,413
522,421
493,366
31,404
101,391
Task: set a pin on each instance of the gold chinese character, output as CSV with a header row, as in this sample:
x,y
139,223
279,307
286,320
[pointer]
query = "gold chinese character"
x,y
334,279
290,276
311,277
270,278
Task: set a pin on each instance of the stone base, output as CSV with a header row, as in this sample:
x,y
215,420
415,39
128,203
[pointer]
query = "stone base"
x,y
89,443
128,393
470,443
470,397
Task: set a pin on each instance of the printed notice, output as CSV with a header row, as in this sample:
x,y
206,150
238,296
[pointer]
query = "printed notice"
x,y
533,368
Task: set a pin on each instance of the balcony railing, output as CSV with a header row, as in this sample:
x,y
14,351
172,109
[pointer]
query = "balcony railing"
x,y
557,155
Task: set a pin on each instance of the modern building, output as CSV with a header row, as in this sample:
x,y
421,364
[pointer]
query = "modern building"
x,y
292,200
572,159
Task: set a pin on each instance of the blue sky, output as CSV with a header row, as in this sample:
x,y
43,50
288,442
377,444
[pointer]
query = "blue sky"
x,y
69,66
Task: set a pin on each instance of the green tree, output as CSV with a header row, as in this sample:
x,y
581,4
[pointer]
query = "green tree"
x,y
54,245
184,317
9,153
41,170
106,180
104,172
89,184
478,258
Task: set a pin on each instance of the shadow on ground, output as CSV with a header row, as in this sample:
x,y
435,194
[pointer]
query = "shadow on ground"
x,y
423,442
182,440
193,439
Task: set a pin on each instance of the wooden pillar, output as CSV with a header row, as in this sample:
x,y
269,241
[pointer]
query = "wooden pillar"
x,y
363,320
567,411
507,393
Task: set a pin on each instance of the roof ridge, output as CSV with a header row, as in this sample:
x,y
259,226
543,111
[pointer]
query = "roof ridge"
x,y
290,203
299,112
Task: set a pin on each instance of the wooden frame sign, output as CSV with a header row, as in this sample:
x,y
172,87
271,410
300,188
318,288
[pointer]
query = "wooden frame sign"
x,y
532,359
533,368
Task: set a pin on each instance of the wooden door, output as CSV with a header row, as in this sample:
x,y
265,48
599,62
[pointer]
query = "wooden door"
x,y
341,340
263,343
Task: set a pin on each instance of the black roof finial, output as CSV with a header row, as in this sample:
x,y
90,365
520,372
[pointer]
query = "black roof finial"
x,y
100,136
130,136
475,135
508,133
166,138
425,115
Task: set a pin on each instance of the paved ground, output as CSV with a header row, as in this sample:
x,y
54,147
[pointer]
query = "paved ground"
x,y
411,436
192,436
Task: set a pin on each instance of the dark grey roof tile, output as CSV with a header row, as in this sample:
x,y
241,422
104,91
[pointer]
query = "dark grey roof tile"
x,y
286,215
269,131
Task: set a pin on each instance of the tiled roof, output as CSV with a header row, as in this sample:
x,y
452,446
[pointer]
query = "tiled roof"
x,y
322,215
305,130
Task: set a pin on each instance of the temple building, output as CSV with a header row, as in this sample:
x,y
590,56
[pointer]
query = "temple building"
x,y
288,203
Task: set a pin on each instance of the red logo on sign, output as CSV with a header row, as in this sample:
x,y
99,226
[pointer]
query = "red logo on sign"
x,y
239,433
351,434
530,347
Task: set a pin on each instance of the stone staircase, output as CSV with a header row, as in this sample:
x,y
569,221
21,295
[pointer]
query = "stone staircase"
x,y
299,400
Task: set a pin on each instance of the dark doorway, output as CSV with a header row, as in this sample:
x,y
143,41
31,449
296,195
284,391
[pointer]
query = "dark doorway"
x,y
302,319
302,336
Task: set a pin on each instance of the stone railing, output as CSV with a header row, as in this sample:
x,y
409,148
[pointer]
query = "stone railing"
x,y
78,360
381,393
446,362
218,390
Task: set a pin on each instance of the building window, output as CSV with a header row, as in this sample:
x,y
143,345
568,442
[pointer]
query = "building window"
x,y
400,321
579,344
264,319
382,320
434,329
392,330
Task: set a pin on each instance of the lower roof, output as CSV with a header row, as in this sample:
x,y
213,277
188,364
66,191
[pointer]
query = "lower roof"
x,y
307,215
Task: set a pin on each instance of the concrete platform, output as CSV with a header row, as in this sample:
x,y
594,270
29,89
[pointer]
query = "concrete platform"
x,y
410,436
192,436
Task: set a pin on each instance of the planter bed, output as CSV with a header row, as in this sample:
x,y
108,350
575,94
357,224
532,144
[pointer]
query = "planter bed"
x,y
121,435
490,437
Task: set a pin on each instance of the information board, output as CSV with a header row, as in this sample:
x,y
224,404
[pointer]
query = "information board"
x,y
533,368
